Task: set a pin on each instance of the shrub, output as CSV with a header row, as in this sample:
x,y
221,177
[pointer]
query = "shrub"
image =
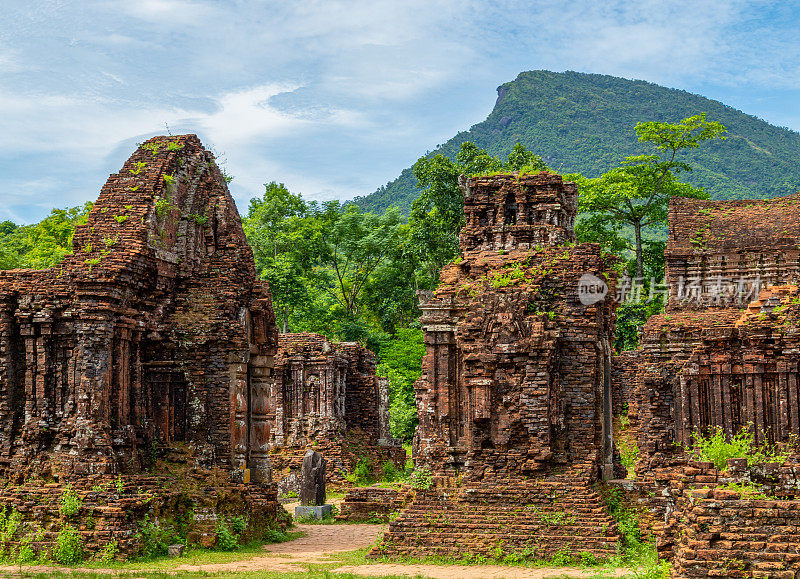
x,y
155,538
25,553
109,552
629,453
362,473
238,524
69,546
276,536
70,502
390,473
421,478
227,539
10,520
717,447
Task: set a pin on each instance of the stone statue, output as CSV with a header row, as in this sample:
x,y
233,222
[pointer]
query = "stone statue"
x,y
312,489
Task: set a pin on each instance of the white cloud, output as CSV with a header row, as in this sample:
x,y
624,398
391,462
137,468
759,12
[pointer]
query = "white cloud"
x,y
170,13
332,96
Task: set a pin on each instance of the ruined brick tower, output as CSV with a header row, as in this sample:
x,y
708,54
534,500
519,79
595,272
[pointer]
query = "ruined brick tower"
x,y
724,353
514,401
327,395
155,331
516,376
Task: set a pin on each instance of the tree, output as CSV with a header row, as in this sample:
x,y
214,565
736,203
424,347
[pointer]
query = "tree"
x,y
354,245
637,194
285,243
401,362
43,244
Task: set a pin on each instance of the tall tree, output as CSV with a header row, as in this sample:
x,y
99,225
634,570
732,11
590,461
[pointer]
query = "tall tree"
x,y
354,246
638,193
285,243
43,244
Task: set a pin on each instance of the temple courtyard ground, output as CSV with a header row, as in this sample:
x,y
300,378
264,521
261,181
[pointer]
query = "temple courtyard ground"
x,y
319,551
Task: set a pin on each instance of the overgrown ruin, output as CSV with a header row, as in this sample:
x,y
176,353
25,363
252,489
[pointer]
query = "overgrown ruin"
x,y
328,396
515,397
145,374
155,336
722,356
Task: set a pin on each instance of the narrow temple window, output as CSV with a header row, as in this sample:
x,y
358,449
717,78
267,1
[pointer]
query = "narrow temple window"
x,y
510,210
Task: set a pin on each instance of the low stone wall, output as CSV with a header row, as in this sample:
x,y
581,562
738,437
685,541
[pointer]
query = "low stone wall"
x,y
106,510
658,498
374,504
725,535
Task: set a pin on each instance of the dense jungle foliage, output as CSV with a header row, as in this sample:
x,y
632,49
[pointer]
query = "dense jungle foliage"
x,y
583,123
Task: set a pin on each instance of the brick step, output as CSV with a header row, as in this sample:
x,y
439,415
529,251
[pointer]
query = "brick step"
x,y
478,519
584,514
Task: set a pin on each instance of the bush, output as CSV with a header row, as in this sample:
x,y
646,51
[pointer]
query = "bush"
x,y
362,473
276,536
421,478
227,539
10,520
70,503
69,546
629,453
109,552
25,553
154,539
390,473
717,447
238,524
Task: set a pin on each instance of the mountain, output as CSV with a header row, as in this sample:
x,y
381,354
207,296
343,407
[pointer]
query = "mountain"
x,y
584,123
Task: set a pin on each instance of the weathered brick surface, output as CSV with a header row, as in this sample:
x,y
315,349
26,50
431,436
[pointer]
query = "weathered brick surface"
x,y
624,368
535,517
155,330
110,513
727,536
724,353
516,381
374,503
327,395
513,378
155,335
751,239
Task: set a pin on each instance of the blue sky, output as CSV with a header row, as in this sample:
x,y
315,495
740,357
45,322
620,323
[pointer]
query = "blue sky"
x,y
335,98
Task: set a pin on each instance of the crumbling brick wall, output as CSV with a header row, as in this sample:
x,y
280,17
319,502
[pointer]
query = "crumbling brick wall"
x,y
327,395
154,331
115,511
719,253
624,367
728,535
722,355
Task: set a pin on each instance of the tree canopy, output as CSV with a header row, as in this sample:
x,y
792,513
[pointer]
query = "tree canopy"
x,y
637,193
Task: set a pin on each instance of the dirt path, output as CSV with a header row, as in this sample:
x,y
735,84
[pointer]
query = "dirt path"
x,y
321,541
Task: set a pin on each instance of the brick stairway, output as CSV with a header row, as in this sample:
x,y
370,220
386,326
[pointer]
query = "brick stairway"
x,y
539,517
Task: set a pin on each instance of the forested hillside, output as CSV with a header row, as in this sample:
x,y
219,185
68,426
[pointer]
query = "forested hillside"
x,y
583,123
